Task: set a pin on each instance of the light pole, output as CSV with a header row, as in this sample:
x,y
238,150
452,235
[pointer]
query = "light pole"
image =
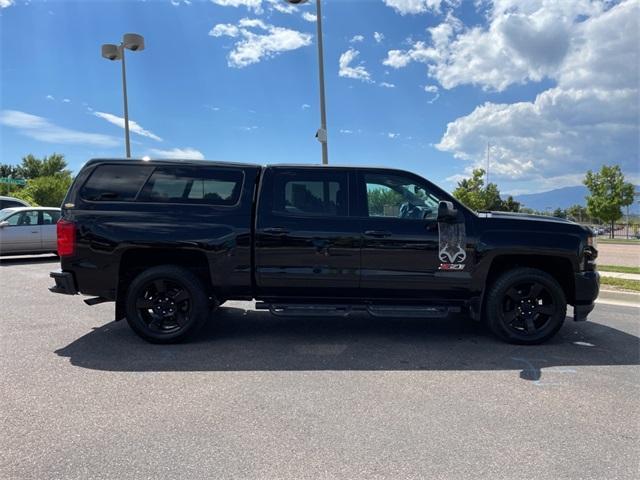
x,y
322,131
133,42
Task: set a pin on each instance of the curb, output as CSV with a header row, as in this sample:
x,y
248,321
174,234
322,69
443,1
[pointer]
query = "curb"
x,y
618,297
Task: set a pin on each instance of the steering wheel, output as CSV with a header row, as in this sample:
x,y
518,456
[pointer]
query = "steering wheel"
x,y
409,210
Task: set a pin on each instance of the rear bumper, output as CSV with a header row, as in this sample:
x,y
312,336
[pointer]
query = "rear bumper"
x,y
587,287
65,283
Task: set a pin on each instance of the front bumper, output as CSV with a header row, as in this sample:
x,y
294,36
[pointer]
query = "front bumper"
x,y
587,287
65,283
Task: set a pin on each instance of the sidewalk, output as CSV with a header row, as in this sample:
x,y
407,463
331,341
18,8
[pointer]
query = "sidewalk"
x,y
625,276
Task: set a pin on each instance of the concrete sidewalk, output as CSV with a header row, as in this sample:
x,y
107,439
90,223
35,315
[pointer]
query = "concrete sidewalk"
x,y
625,276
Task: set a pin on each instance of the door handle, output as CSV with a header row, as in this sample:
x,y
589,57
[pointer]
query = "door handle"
x,y
276,231
377,233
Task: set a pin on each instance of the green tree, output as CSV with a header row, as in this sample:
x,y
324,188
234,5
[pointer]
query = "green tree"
x,y
608,194
473,193
510,205
378,198
560,213
46,191
578,213
49,166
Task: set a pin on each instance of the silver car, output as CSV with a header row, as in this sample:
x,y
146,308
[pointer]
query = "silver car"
x,y
28,230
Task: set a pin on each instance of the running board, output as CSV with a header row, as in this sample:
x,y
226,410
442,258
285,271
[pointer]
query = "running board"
x,y
344,310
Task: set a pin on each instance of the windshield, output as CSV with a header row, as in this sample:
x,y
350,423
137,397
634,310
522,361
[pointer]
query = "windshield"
x,y
6,213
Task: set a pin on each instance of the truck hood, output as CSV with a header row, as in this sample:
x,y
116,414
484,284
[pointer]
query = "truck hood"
x,y
525,217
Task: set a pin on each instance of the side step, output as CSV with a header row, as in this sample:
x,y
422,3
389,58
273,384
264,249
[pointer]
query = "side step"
x,y
344,310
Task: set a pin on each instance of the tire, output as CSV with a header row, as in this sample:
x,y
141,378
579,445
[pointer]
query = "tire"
x,y
525,306
166,304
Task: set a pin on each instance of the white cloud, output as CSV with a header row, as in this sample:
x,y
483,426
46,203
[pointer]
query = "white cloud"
x,y
6,3
387,85
432,89
358,72
39,128
187,153
522,42
305,106
66,100
252,47
588,119
412,7
177,3
281,6
357,39
254,5
378,37
309,17
134,127
392,135
49,97
346,131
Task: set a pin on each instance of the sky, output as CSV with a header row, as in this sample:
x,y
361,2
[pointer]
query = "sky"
x,y
550,88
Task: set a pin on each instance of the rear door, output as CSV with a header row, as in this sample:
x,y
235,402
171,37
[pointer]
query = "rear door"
x,y
48,220
307,244
21,234
402,240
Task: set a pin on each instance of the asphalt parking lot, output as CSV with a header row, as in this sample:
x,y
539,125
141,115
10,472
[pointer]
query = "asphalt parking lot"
x,y
261,397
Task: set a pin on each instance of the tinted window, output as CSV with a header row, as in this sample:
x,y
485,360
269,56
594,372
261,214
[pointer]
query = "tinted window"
x,y
23,219
119,183
211,186
399,197
311,193
9,204
50,217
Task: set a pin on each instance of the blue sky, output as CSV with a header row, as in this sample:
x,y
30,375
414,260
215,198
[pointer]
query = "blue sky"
x,y
422,85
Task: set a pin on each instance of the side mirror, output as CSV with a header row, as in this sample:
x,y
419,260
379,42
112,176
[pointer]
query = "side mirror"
x,y
446,213
3,224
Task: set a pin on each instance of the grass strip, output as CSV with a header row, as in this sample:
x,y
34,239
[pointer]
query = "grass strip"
x,y
618,269
633,285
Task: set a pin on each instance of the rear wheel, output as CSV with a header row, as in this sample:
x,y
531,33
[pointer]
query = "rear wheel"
x,y
525,306
166,304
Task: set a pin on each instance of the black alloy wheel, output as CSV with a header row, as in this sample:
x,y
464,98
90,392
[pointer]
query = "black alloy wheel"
x,y
525,306
166,304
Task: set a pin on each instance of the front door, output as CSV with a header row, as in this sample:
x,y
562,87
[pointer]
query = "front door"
x,y
21,233
307,244
406,253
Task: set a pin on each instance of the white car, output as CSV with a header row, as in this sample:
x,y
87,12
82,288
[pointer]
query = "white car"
x,y
25,230
10,202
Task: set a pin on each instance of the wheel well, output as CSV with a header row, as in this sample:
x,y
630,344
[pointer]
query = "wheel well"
x,y
135,261
558,267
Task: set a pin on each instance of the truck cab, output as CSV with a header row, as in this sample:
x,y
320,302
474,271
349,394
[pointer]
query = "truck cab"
x,y
311,240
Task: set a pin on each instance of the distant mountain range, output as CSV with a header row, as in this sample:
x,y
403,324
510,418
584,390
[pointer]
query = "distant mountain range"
x,y
563,198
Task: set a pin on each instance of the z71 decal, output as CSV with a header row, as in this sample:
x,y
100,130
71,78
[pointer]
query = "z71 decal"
x,y
452,239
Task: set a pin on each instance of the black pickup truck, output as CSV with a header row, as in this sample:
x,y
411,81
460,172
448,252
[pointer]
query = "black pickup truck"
x,y
169,241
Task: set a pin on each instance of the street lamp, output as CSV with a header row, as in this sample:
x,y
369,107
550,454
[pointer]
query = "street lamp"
x,y
322,131
135,43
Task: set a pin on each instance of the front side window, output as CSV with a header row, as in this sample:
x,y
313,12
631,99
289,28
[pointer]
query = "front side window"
x,y
311,193
398,197
23,219
211,186
115,183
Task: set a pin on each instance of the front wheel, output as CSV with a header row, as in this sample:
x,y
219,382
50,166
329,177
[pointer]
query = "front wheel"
x,y
525,306
166,304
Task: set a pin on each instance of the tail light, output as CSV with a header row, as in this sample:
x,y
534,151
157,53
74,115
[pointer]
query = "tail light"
x,y
66,237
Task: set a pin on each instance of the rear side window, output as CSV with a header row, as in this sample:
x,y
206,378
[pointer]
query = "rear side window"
x,y
9,204
50,217
210,186
311,193
115,183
